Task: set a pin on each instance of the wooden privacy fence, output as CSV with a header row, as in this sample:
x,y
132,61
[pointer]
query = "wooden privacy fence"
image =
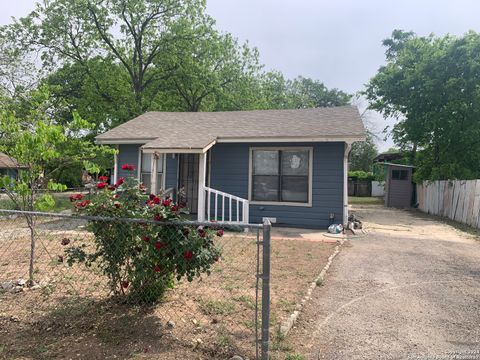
x,y
458,200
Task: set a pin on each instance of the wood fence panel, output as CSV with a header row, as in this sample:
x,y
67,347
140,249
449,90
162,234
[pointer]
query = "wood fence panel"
x,y
458,200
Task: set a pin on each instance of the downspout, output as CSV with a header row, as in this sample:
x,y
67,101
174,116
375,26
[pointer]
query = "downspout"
x,y
348,147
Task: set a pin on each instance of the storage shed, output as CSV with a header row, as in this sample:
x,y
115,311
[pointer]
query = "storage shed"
x,y
399,189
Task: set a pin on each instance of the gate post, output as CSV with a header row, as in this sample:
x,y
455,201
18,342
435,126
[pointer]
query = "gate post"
x,y
266,288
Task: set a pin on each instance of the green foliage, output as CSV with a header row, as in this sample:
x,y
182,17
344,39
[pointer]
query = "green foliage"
x,y
141,260
362,154
361,175
431,84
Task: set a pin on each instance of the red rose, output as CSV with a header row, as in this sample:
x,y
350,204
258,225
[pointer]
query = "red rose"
x,y
101,185
124,284
220,233
146,238
158,245
150,203
82,204
76,197
166,202
128,167
111,187
157,217
120,181
157,268
202,233
103,178
156,200
174,208
188,255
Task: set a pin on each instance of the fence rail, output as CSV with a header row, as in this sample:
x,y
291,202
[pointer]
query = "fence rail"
x,y
458,200
221,315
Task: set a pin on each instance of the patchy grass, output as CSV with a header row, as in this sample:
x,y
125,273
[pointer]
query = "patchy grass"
x,y
73,312
357,200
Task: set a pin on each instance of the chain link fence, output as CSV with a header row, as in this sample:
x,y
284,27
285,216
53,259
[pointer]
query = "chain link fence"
x,y
91,287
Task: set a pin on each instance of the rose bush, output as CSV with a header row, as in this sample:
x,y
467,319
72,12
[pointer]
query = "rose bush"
x,y
142,259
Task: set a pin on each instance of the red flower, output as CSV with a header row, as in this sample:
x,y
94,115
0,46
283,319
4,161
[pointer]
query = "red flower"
x,y
124,284
157,268
82,204
157,217
166,202
101,185
111,187
146,238
174,208
158,245
103,178
76,197
120,181
188,255
202,233
220,233
150,203
156,200
116,196
128,167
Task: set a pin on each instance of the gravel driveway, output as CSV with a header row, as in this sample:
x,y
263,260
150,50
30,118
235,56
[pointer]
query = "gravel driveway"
x,y
410,289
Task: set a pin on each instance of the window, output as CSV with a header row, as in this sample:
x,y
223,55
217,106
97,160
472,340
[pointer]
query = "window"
x,y
399,174
281,175
146,172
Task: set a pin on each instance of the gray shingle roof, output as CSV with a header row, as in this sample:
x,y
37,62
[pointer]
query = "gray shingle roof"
x,y
195,130
7,162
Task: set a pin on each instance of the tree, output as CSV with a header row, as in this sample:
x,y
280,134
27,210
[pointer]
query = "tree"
x,y
35,141
362,154
130,33
307,93
430,85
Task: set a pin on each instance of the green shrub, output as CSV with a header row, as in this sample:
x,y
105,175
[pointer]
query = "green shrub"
x,y
142,260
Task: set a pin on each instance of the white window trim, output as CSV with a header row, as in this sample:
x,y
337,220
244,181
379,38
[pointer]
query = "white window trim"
x,y
284,148
164,167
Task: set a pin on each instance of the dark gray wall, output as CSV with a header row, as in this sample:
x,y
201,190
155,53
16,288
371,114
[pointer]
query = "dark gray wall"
x,y
128,154
229,173
172,169
398,192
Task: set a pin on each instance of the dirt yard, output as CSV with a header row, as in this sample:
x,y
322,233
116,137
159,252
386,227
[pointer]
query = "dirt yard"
x,y
71,316
409,289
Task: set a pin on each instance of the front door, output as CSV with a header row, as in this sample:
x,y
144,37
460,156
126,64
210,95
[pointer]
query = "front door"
x,y
188,180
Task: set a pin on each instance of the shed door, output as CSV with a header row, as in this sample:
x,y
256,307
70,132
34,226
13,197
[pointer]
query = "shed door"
x,y
400,187
188,180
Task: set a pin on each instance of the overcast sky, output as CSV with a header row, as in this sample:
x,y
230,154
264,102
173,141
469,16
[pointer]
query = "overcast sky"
x,y
335,41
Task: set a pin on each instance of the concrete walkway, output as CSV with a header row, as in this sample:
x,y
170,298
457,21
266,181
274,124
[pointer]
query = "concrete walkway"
x,y
408,290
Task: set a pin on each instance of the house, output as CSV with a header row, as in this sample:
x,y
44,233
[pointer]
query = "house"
x,y
9,166
243,166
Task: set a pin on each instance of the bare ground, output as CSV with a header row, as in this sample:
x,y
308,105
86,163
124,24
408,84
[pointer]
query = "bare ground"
x,y
72,316
410,289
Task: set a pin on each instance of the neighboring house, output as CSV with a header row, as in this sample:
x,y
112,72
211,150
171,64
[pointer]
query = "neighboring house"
x,y
240,166
9,166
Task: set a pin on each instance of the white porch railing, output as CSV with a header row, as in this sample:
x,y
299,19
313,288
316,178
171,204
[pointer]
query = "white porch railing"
x,y
227,208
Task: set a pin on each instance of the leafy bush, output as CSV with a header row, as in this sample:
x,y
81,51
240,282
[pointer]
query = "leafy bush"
x,y
142,259
361,175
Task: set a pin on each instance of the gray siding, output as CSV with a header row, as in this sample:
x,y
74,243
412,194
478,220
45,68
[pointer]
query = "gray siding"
x,y
229,173
128,154
172,169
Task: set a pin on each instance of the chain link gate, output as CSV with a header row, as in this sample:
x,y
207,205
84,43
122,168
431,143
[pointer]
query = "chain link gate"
x,y
212,312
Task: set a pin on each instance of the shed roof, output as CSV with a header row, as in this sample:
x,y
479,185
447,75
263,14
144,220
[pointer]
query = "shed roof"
x,y
7,162
198,130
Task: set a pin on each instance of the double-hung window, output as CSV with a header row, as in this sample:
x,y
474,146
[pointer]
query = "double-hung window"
x,y
146,172
281,175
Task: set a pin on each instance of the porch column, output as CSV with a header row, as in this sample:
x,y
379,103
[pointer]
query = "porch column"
x,y
202,163
348,147
115,166
153,173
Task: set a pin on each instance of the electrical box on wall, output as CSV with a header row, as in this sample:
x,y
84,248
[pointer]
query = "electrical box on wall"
x,y
273,220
